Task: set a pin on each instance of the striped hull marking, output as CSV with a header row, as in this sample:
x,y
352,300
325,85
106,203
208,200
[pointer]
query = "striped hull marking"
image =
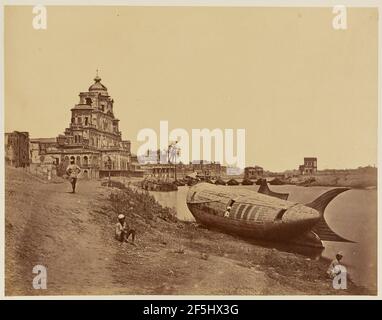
x,y
248,221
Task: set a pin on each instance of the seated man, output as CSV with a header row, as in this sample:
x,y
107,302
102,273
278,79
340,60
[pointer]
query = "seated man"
x,y
122,230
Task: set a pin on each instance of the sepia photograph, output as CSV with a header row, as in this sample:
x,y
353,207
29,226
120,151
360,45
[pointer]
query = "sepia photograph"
x,y
190,150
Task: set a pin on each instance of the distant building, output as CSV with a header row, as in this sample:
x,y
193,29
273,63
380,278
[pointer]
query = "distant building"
x,y
201,167
17,149
205,168
154,157
38,149
309,166
161,170
253,172
136,168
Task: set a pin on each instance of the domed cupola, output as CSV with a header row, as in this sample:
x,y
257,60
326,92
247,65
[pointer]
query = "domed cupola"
x,y
97,85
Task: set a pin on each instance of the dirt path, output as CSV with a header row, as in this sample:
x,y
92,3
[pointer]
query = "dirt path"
x,y
52,227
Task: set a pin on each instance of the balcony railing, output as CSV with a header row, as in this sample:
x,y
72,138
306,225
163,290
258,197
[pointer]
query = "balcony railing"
x,y
82,125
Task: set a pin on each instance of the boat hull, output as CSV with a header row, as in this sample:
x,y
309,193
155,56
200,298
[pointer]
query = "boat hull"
x,y
298,232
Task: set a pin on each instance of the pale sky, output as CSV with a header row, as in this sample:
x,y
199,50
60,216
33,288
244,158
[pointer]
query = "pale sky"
x,y
298,87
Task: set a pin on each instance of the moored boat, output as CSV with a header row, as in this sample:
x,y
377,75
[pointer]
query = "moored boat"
x,y
262,216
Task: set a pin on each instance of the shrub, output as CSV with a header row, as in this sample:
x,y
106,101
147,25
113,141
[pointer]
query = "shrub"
x,y
138,204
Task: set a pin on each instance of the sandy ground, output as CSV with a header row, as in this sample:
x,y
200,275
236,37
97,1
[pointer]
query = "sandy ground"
x,y
72,236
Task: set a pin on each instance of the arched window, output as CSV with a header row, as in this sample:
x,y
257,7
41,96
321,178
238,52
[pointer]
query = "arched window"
x,y
72,158
78,160
86,162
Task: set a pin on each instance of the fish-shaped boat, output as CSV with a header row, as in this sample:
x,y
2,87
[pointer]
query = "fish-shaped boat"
x,y
263,215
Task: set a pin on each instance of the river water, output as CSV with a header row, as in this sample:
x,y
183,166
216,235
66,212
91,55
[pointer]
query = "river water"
x,y
352,214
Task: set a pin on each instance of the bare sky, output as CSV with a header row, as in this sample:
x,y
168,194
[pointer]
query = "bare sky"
x,y
298,87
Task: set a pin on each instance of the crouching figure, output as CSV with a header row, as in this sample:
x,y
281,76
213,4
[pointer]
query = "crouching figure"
x,y
123,231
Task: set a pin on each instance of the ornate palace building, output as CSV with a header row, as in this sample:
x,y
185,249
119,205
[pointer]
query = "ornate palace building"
x,y
92,140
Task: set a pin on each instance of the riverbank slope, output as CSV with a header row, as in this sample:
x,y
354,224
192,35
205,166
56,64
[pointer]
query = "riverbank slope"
x,y
72,235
